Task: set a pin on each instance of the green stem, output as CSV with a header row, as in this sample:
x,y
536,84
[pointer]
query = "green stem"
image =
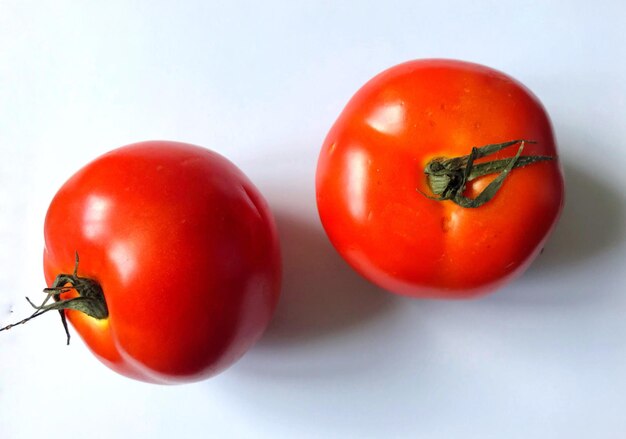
x,y
448,177
90,299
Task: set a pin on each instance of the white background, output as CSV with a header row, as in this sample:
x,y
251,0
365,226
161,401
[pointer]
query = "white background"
x,y
261,83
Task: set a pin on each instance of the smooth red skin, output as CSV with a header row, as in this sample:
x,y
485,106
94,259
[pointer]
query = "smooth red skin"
x,y
185,249
370,174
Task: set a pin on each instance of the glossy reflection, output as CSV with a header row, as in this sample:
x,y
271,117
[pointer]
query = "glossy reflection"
x,y
388,119
122,254
356,184
95,216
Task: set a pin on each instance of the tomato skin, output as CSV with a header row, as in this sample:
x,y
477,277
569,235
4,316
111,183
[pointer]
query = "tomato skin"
x,y
371,171
185,250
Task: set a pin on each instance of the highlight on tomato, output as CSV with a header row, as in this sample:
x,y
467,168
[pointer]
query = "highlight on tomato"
x,y
440,179
165,259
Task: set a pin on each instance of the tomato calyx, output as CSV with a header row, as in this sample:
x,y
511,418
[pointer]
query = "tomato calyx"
x,y
448,177
90,299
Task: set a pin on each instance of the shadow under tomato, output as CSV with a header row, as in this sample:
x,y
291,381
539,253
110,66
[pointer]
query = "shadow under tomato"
x,y
321,295
592,224
592,221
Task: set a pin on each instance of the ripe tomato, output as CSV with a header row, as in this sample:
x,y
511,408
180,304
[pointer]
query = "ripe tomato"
x,y
413,234
184,249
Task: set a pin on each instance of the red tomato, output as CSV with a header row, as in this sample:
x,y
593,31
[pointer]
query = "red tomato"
x,y
184,249
381,213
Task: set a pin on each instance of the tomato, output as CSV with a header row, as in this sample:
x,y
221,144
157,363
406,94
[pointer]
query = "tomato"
x,y
184,250
413,234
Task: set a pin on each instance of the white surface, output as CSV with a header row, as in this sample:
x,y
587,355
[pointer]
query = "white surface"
x,y
261,83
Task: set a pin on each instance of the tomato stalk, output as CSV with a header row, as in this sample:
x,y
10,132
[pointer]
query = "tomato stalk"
x,y
448,177
90,299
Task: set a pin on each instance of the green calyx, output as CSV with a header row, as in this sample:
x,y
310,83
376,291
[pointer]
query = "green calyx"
x,y
90,299
448,177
